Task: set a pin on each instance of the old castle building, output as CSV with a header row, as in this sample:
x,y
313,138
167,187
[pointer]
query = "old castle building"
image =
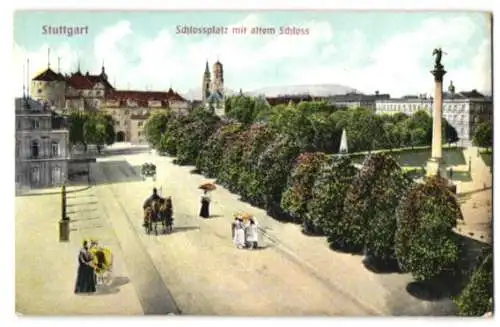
x,y
131,109
87,92
213,88
42,146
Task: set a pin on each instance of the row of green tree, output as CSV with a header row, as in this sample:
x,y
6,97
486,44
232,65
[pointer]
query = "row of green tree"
x,y
319,126
356,209
483,135
91,128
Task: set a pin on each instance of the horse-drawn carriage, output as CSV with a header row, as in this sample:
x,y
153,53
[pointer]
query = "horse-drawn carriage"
x,y
148,170
158,212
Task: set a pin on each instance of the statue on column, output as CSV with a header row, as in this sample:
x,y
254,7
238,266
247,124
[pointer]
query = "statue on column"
x,y
438,52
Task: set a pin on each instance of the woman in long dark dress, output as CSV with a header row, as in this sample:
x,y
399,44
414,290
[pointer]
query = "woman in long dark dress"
x,y
85,277
205,202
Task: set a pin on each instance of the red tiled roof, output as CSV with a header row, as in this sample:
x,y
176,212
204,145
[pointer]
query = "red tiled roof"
x,y
143,97
80,82
94,79
49,75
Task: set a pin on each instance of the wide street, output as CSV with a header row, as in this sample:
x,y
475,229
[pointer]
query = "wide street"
x,y
196,270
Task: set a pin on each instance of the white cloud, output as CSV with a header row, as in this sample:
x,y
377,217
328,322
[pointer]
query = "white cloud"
x,y
400,65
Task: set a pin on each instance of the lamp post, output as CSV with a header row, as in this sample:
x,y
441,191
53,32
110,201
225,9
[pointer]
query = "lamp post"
x,y
64,222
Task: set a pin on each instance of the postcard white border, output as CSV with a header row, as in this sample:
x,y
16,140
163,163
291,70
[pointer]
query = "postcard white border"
x,y
7,291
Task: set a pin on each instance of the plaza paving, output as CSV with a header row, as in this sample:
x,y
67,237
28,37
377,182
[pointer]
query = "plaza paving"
x,y
195,270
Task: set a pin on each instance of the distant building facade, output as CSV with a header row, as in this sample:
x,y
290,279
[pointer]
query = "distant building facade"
x,y
357,100
464,111
42,146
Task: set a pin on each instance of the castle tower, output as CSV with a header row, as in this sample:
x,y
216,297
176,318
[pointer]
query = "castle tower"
x,y
218,80
49,86
103,72
206,83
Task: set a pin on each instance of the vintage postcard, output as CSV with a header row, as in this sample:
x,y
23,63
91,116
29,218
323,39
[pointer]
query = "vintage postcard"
x,y
253,163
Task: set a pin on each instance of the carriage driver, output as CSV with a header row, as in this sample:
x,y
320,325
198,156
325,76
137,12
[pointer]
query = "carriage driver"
x,y
151,198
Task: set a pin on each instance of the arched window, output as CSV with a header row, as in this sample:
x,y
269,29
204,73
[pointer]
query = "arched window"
x,y
54,149
35,149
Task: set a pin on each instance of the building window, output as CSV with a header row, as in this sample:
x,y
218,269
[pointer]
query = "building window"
x,y
18,124
35,124
35,149
56,175
39,91
54,149
35,175
139,123
140,133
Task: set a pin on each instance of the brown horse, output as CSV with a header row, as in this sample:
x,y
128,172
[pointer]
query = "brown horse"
x,y
166,212
151,215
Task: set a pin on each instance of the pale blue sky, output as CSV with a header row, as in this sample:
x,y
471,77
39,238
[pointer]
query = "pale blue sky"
x,y
387,51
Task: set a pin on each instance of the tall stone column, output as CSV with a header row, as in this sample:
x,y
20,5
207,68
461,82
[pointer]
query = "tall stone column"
x,y
434,163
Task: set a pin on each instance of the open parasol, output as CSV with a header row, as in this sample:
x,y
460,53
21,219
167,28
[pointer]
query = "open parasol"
x,y
243,215
207,186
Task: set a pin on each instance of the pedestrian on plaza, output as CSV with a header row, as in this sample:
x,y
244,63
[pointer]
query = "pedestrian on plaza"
x,y
239,235
205,203
233,227
85,277
251,234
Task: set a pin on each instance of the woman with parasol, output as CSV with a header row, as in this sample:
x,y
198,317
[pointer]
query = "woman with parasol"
x,y
205,199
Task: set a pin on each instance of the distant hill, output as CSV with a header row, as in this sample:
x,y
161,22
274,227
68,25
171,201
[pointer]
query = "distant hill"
x,y
316,90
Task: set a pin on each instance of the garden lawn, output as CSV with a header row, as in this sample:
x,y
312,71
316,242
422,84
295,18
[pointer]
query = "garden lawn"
x,y
418,157
487,158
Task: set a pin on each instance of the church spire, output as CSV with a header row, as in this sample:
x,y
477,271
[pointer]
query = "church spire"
x,y
207,70
103,71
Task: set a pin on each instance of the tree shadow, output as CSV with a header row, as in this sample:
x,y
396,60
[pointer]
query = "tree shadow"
x,y
439,288
450,284
380,266
196,171
342,247
215,216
